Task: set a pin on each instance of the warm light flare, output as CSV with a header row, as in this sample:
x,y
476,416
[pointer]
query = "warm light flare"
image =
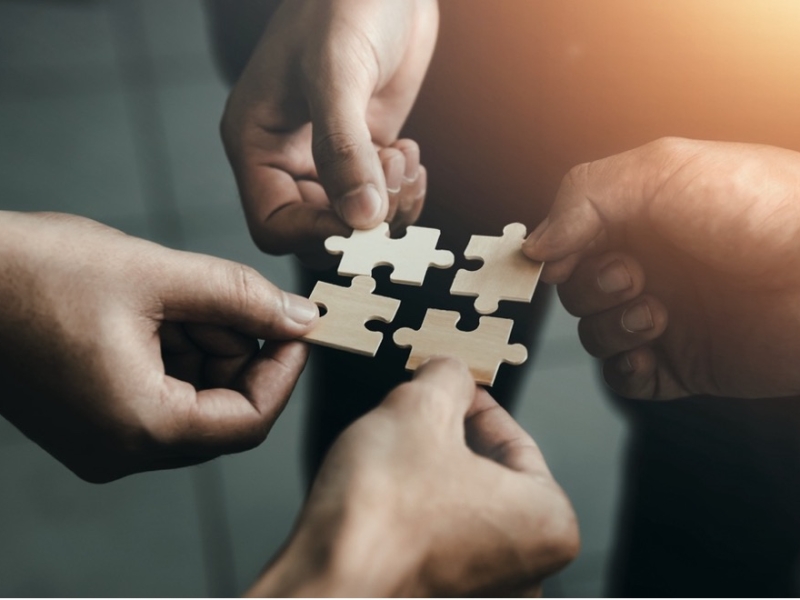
x,y
519,91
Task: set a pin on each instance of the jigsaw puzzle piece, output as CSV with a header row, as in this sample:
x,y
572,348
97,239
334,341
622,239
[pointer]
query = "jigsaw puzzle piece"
x,y
410,256
506,273
482,349
349,309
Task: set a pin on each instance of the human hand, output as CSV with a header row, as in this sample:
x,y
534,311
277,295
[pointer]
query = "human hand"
x,y
437,491
125,356
682,259
311,127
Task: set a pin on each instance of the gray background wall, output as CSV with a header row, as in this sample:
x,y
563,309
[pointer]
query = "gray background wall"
x,y
110,110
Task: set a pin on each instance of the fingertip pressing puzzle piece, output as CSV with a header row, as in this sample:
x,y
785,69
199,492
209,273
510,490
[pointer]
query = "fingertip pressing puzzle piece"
x,y
410,255
349,309
482,349
506,273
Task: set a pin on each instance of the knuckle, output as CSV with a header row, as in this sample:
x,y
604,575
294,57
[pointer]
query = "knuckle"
x,y
243,283
667,148
422,398
576,176
428,393
335,149
561,536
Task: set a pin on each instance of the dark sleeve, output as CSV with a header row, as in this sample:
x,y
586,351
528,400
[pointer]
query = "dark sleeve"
x,y
234,29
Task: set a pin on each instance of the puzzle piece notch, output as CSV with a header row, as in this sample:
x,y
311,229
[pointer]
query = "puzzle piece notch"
x,y
482,349
506,273
410,256
349,309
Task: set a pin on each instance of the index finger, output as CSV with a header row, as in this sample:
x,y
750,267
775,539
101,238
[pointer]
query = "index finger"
x,y
595,200
279,218
493,433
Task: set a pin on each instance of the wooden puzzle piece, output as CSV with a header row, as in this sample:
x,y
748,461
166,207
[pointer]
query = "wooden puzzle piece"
x,y
483,349
410,255
506,274
349,308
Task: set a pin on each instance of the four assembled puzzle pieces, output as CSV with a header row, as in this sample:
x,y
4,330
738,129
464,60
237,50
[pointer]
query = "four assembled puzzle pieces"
x,y
505,275
483,349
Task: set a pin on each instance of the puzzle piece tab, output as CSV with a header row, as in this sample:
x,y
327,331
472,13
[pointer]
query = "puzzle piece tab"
x,y
349,308
410,255
506,274
483,349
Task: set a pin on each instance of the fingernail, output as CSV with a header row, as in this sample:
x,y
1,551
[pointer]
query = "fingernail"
x,y
361,206
537,233
394,174
298,309
624,365
637,318
614,278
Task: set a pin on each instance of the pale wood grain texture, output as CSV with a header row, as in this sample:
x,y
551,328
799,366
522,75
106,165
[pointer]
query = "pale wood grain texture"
x,y
410,255
506,273
482,349
349,309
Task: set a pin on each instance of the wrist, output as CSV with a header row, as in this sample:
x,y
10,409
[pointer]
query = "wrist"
x,y
359,554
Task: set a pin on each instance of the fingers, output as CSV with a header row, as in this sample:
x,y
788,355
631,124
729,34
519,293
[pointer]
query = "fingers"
x,y
632,374
219,421
299,228
493,433
204,289
640,374
599,283
439,395
406,182
623,327
347,163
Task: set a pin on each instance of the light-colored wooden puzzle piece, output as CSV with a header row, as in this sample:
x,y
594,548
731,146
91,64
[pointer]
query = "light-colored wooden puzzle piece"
x,y
506,274
482,349
349,308
410,255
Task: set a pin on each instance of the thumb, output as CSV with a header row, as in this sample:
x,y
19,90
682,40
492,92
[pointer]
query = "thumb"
x,y
347,162
594,200
439,396
203,289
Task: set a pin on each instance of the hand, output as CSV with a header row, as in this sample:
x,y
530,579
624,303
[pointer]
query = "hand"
x,y
124,356
311,127
682,259
438,491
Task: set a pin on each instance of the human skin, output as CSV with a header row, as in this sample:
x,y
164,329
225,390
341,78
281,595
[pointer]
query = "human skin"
x,y
122,356
437,491
311,126
682,259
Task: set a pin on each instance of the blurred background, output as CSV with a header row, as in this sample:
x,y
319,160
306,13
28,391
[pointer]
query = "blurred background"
x,y
110,109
